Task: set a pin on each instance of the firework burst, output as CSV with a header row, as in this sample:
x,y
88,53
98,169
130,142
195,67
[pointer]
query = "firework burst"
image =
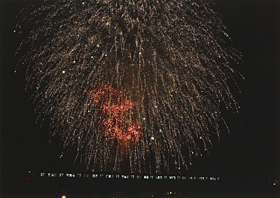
x,y
136,80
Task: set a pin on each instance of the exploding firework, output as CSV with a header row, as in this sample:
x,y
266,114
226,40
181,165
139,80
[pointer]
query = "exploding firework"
x,y
129,80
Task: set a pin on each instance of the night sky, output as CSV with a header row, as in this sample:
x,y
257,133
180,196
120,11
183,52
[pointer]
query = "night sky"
x,y
251,151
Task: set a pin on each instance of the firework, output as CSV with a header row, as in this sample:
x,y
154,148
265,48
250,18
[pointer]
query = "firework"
x,y
136,80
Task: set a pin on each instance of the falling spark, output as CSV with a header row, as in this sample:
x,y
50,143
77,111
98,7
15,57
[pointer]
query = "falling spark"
x,y
120,80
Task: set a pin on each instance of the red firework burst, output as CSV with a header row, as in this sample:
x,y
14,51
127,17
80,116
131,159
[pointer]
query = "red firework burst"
x,y
118,123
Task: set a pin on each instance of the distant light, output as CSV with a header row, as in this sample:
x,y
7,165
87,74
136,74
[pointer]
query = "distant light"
x,y
63,196
63,72
274,184
152,138
29,171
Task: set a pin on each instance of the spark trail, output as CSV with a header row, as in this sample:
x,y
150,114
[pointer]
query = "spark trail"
x,y
141,80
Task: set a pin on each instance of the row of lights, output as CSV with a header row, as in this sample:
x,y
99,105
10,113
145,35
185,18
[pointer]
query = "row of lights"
x,y
109,176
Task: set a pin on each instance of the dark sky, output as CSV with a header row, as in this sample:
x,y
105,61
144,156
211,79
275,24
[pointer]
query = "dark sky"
x,y
252,148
